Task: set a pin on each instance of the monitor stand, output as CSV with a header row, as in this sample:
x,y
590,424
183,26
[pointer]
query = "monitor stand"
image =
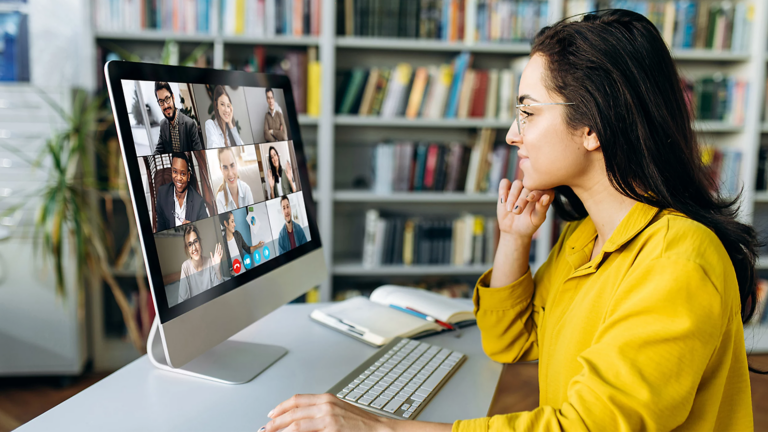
x,y
230,362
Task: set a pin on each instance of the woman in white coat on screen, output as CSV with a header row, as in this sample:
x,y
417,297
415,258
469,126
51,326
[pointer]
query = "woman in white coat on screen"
x,y
220,130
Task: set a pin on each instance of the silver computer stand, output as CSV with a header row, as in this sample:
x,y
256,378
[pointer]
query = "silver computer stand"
x,y
230,362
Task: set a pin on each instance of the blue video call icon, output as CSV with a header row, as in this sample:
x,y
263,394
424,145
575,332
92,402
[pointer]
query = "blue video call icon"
x,y
256,257
247,261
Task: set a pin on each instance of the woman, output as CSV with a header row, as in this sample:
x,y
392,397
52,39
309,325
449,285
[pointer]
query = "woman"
x,y
232,193
199,272
636,316
280,180
221,130
237,247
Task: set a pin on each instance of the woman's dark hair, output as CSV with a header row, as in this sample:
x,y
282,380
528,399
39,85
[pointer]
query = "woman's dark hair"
x,y
224,219
616,69
276,172
219,91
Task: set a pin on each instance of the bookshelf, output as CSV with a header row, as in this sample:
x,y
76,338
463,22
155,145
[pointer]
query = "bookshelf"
x,y
333,134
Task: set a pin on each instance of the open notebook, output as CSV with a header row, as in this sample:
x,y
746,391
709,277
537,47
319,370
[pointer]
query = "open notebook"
x,y
373,321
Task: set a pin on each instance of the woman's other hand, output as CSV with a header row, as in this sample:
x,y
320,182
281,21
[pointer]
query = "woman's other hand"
x,y
521,212
325,412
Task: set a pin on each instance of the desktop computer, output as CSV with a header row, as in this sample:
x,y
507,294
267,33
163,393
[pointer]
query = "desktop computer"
x,y
218,180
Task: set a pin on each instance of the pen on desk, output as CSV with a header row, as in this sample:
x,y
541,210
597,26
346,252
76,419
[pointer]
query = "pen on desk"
x,y
422,315
351,327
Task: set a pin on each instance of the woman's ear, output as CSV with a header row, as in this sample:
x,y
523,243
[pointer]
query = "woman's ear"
x,y
591,143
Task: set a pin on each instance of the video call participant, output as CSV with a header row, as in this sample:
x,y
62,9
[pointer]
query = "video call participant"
x,y
233,193
199,272
280,180
178,133
292,234
177,203
221,130
237,247
274,125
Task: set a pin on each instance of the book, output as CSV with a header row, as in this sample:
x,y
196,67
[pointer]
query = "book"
x,y
374,321
313,83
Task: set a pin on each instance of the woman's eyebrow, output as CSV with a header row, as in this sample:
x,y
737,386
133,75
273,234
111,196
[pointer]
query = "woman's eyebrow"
x,y
524,97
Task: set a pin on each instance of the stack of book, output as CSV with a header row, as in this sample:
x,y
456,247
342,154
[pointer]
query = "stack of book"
x,y
257,18
179,16
432,92
717,97
439,167
267,18
723,166
448,20
411,240
686,24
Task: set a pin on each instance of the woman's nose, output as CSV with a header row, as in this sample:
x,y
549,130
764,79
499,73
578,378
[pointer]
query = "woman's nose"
x,y
513,135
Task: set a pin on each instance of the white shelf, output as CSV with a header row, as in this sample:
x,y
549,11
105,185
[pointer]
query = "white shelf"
x,y
357,269
709,55
155,36
407,44
412,197
370,121
305,120
716,126
275,40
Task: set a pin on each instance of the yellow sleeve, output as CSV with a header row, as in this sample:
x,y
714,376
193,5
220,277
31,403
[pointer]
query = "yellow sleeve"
x,y
509,316
643,370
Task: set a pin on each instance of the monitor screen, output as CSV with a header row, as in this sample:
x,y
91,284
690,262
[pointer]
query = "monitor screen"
x,y
218,176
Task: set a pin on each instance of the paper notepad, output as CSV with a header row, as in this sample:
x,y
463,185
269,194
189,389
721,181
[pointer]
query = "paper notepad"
x,y
374,322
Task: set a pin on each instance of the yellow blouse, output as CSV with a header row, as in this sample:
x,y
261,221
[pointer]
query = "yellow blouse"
x,y
645,337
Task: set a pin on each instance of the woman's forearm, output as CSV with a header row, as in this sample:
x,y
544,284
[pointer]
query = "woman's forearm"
x,y
511,261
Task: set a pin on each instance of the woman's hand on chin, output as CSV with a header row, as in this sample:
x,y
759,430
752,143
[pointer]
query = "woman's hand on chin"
x,y
325,412
520,211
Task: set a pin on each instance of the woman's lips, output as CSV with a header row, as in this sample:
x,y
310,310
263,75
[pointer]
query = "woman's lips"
x,y
232,180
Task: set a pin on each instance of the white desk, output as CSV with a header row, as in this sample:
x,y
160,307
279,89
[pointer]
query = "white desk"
x,y
140,397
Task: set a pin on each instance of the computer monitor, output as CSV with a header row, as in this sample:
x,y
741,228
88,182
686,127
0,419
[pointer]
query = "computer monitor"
x,y
218,179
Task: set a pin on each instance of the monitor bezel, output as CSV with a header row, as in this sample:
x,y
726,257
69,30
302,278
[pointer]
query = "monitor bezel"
x,y
116,71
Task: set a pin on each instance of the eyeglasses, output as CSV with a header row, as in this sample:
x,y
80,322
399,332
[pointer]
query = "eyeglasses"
x,y
194,242
166,101
522,122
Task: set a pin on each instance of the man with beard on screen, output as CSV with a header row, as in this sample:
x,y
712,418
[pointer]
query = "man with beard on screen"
x,y
178,133
177,203
292,234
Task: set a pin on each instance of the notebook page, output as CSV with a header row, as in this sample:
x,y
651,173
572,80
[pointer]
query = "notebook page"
x,y
380,320
437,305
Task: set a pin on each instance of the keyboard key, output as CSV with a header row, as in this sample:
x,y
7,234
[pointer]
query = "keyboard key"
x,y
405,407
353,396
407,414
378,403
435,378
393,405
422,391
416,404
418,397
341,394
364,400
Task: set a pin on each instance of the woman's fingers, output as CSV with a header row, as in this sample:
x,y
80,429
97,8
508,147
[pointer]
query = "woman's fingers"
x,y
297,401
514,193
504,187
521,202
